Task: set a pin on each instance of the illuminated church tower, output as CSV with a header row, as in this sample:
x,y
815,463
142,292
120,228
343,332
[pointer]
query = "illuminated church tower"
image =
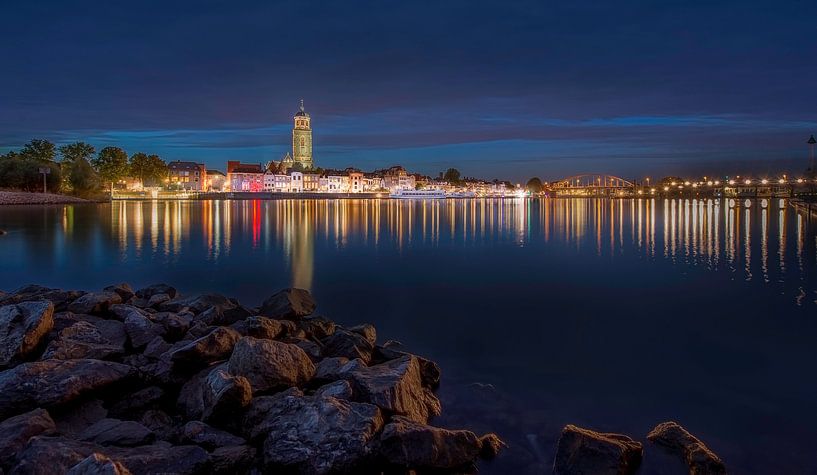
x,y
302,139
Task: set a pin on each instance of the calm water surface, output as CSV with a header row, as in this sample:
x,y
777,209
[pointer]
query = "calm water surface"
x,y
616,315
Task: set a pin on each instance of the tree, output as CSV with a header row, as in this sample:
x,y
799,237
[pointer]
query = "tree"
x,y
82,177
111,164
534,185
76,151
21,170
452,175
40,150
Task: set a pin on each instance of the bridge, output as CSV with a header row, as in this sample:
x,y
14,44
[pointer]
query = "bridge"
x,y
593,185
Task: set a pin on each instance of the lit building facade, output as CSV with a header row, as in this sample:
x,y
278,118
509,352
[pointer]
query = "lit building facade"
x,y
302,140
245,177
188,176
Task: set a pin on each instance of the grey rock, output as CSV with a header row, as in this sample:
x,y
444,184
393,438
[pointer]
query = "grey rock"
x,y
337,389
158,299
408,444
160,422
124,290
312,349
175,325
586,451
137,402
197,303
118,432
16,431
290,304
22,327
232,460
349,345
82,340
141,329
319,435
255,423
98,464
96,303
74,418
28,293
55,382
214,395
397,387
329,369
367,331
270,364
698,457
210,438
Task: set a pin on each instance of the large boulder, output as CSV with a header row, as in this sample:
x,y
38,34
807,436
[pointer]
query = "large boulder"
x,y
117,432
82,340
348,344
291,304
96,303
60,298
698,457
151,290
124,290
586,451
319,435
210,438
216,345
98,464
140,328
263,327
408,444
232,459
397,387
198,303
214,395
22,327
55,382
430,370
270,364
16,431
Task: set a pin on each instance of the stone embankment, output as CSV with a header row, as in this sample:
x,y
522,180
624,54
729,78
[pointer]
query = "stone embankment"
x,y
26,198
150,381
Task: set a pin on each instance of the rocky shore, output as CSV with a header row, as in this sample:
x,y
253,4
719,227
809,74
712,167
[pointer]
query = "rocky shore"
x,y
150,381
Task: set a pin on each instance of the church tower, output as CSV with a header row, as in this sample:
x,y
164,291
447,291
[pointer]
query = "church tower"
x,y
302,139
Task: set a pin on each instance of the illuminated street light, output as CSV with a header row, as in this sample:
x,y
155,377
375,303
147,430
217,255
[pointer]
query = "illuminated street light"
x,y
764,181
748,182
731,182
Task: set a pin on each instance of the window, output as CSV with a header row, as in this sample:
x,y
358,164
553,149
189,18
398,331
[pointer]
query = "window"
x,y
302,141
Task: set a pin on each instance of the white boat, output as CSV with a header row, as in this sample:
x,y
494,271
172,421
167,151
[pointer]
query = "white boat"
x,y
417,194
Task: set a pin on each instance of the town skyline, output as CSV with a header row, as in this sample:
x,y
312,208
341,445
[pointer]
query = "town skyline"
x,y
495,90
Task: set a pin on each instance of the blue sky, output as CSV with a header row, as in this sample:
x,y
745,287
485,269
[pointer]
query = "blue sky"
x,y
507,89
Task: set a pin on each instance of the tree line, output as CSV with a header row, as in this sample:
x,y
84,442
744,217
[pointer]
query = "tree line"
x,y
77,168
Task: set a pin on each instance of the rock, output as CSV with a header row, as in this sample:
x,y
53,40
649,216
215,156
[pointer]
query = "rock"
x,y
312,349
197,303
329,369
316,328
349,345
698,457
262,327
201,434
319,435
397,387
214,395
140,329
586,451
337,389
158,299
74,418
95,303
254,423
407,444
216,345
22,327
117,432
270,364
160,423
55,382
491,445
291,304
175,325
124,290
429,370
155,289
82,340
232,460
15,432
49,455
162,458
137,402
98,464
367,331
28,293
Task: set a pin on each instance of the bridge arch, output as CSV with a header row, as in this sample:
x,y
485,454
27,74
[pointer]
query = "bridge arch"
x,y
593,180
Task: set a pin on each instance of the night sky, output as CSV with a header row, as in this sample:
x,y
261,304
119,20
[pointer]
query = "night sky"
x,y
505,89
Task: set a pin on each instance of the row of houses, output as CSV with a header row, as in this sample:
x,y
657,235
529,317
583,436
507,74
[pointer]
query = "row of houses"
x,y
191,176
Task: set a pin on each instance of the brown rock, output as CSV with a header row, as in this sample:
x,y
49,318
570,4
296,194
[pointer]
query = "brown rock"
x,y
216,345
98,464
291,304
117,432
585,451
15,432
408,444
82,340
124,290
348,344
698,457
22,327
270,364
95,303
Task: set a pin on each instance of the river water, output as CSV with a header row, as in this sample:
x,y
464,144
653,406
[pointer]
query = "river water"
x,y
611,314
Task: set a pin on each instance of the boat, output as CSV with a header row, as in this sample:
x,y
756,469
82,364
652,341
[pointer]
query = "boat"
x,y
417,194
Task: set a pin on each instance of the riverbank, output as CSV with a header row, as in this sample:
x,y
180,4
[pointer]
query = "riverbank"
x,y
151,381
27,198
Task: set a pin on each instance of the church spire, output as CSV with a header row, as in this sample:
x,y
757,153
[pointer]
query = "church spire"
x,y
302,105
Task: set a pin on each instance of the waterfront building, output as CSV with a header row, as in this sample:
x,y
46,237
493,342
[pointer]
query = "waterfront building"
x,y
296,182
189,176
372,182
216,181
396,178
356,182
245,177
302,140
311,182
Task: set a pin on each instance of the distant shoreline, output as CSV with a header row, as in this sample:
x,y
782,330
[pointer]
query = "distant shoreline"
x,y
29,198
